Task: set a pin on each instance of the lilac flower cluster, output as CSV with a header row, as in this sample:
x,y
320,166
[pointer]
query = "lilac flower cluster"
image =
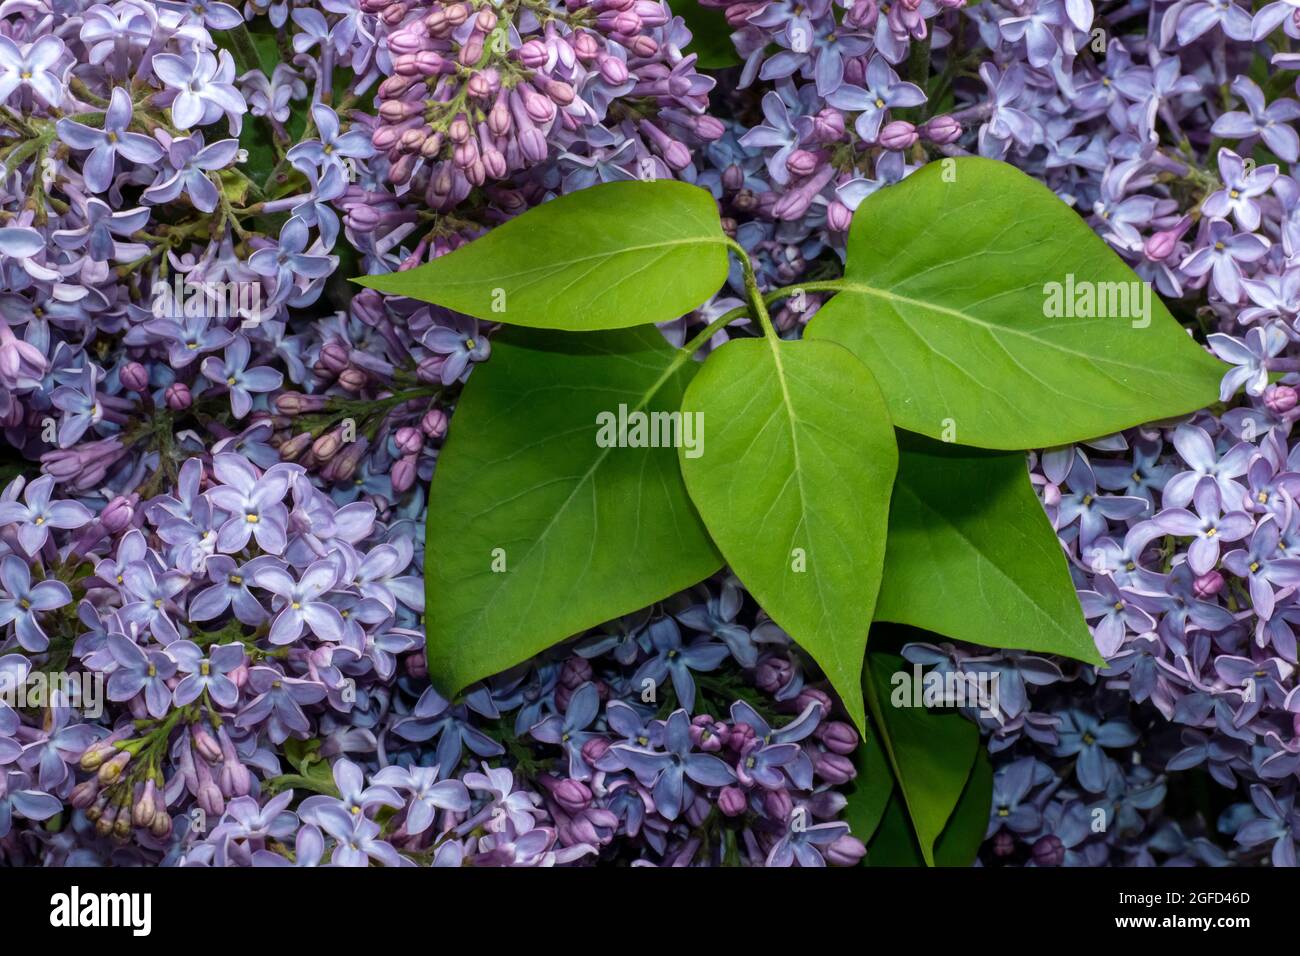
x,y
477,92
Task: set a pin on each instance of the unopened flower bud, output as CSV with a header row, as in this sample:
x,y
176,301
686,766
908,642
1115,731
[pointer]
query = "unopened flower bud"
x,y
899,134
941,130
135,377
112,769
178,396
1280,399
117,514
1049,850
434,423
1207,585
838,737
846,851
732,801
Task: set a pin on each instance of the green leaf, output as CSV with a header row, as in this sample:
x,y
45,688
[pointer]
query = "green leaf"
x,y
578,533
945,298
609,257
960,841
710,35
931,753
894,842
793,484
972,556
870,791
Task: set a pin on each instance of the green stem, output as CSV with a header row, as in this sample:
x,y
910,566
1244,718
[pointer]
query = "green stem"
x,y
752,291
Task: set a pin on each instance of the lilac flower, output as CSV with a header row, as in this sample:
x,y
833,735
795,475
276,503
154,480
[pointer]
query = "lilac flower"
x,y
570,731
253,503
778,132
1120,613
428,795
153,594
300,604
140,671
107,144
1209,526
1241,189
204,91
354,799
331,146
33,67
241,380
433,717
1196,449
229,589
670,659
288,260
19,798
1261,563
21,601
1275,824
36,514
462,345
1086,737
1271,122
357,839
882,92
207,674
1249,358
279,700
670,773
191,163
800,844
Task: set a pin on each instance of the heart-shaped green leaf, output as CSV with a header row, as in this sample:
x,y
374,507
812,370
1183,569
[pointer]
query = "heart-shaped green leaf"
x,y
931,753
992,315
894,842
794,486
539,527
972,556
609,257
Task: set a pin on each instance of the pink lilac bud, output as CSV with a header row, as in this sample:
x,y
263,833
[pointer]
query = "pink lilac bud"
x,y
1280,399
292,449
835,769
434,423
838,216
85,793
612,70
409,440
941,130
777,804
732,801
1208,585
404,473
575,672
353,379
334,356
533,54
135,377
1161,245
1049,851
708,734
828,126
295,403
417,665
846,851
205,745
802,163
838,737
178,397
573,795
117,514
595,749
814,695
899,134
773,674
1004,844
